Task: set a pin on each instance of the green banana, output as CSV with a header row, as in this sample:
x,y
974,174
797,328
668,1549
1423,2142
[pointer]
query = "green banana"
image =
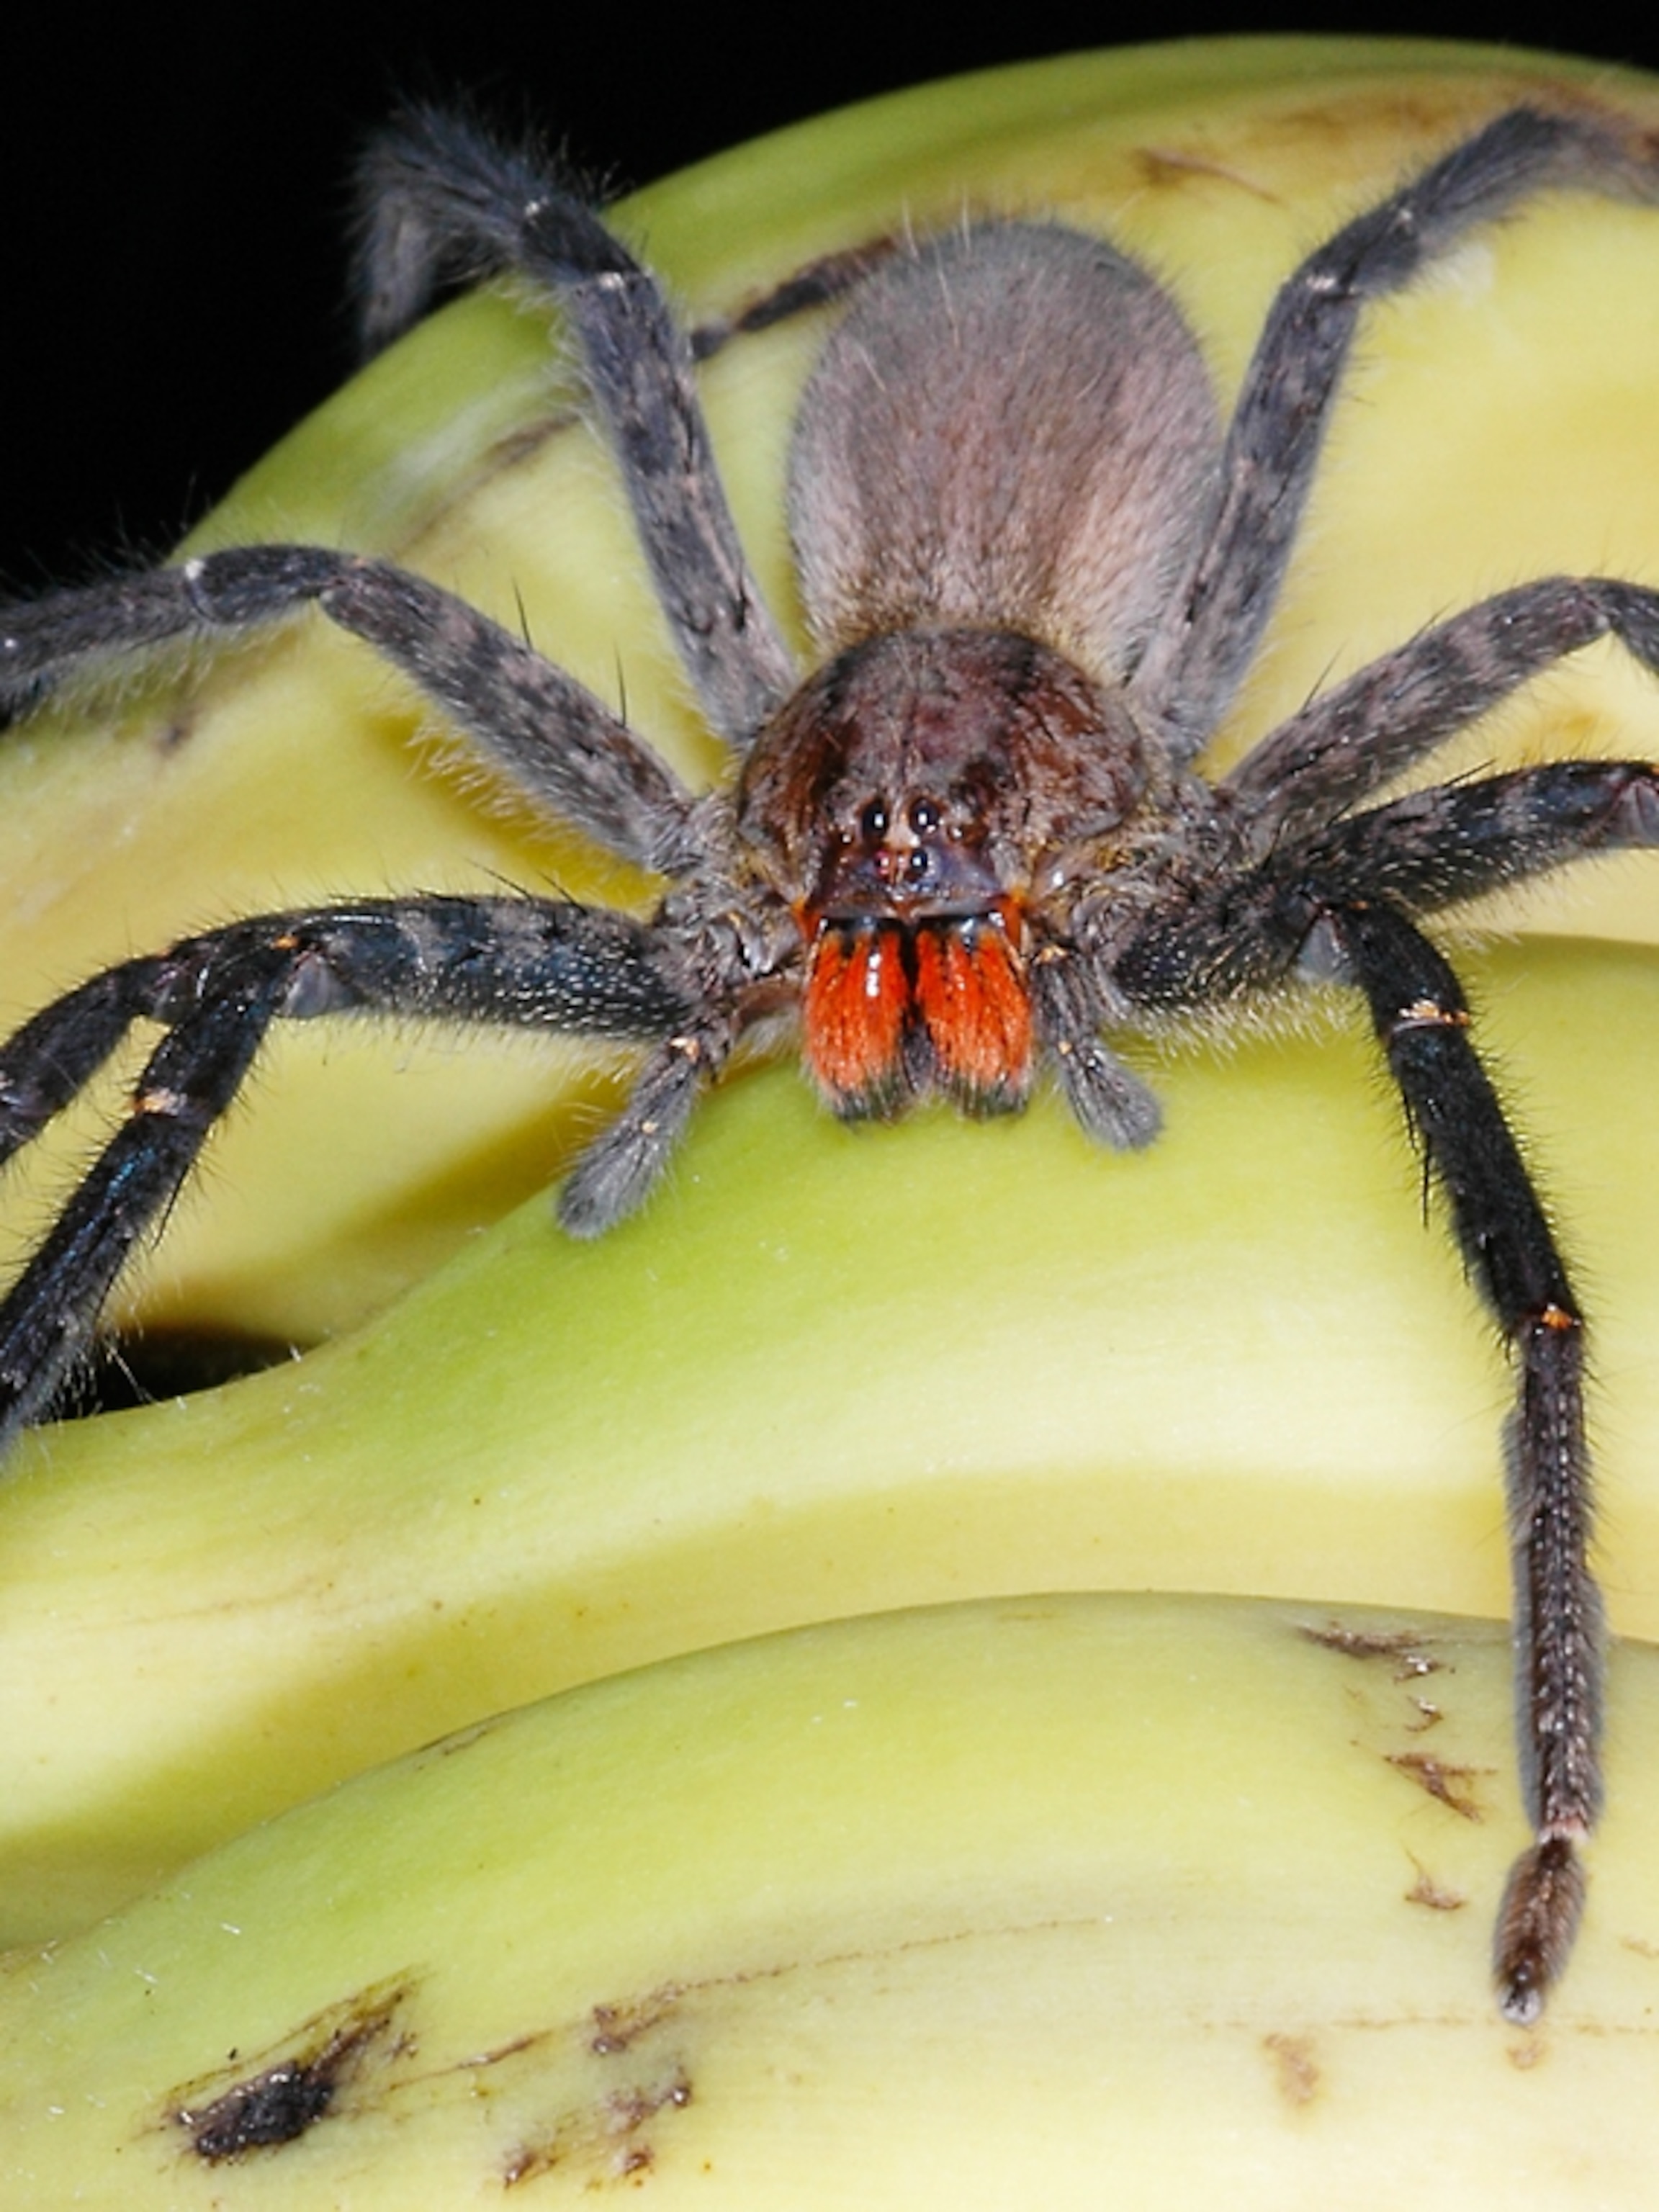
x,y
1141,1901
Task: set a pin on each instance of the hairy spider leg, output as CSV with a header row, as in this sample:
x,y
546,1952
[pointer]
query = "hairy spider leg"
x,y
1214,623
1351,740
1422,1022
541,728
514,963
442,197
1338,901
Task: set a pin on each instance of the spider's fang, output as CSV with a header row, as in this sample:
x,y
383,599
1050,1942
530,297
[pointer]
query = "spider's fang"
x,y
893,1009
971,998
856,999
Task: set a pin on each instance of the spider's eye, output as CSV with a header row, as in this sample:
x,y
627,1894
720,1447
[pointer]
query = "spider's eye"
x,y
872,821
925,816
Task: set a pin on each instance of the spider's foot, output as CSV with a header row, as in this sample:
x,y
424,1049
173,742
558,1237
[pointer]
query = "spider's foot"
x,y
1542,1905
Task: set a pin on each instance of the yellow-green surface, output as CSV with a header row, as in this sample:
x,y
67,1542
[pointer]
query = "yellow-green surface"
x,y
1138,1901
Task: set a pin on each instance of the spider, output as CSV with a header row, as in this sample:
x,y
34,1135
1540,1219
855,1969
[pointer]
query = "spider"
x,y
970,844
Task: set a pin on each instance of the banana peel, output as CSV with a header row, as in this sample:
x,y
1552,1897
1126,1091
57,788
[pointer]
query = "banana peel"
x,y
831,1371
1148,1900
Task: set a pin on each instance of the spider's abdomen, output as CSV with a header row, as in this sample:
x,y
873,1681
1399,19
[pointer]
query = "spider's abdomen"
x,y
1012,424
915,803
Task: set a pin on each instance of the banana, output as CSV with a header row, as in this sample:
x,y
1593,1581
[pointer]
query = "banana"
x,y
826,1372
1151,1899
240,1599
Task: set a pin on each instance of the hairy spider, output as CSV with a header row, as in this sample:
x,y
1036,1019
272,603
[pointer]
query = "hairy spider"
x,y
970,844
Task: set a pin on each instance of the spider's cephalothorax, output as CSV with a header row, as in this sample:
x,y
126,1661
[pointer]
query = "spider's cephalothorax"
x,y
973,844
924,803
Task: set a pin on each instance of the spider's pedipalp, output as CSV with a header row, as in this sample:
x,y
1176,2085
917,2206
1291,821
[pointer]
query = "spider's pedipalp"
x,y
440,194
622,1166
1109,1100
1213,623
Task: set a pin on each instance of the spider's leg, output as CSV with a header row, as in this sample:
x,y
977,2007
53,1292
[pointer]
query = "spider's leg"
x,y
1348,743
1457,842
441,198
523,963
1422,1022
538,726
53,1057
1246,934
48,1320
1235,934
1215,620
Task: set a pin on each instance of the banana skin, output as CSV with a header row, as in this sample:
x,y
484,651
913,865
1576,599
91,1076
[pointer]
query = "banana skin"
x,y
1166,1899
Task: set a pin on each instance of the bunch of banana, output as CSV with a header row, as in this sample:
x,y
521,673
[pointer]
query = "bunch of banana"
x,y
988,1900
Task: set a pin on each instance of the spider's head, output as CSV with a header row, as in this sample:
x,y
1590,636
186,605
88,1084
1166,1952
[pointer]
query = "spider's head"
x,y
905,802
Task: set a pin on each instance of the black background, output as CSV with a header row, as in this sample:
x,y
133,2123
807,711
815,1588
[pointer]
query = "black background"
x,y
172,196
